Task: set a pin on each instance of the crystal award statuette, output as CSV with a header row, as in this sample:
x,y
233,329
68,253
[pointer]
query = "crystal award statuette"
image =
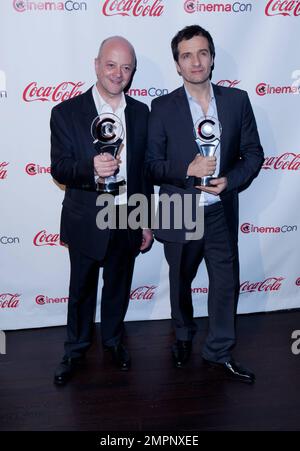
x,y
207,131
108,134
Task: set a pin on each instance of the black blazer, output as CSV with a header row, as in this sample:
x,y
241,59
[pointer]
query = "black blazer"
x,y
172,147
72,154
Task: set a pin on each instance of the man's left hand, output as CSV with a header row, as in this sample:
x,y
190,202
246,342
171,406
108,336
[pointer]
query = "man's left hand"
x,y
147,240
219,185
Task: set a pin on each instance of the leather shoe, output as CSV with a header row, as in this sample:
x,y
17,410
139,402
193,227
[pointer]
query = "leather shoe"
x,y
181,352
234,370
65,370
120,356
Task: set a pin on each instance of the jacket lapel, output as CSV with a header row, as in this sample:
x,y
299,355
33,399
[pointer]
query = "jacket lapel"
x,y
185,125
87,114
130,131
223,115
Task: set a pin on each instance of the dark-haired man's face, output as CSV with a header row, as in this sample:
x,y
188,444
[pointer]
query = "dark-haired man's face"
x,y
194,60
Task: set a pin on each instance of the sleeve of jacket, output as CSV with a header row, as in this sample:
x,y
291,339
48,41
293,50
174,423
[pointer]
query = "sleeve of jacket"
x,y
251,151
66,166
147,185
158,167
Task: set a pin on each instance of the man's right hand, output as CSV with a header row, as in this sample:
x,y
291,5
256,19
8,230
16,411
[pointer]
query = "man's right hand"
x,y
202,166
105,164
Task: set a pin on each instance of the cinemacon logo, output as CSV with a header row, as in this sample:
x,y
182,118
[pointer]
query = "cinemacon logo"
x,y
288,161
196,6
9,300
251,228
43,238
263,89
36,169
58,93
144,92
298,282
70,6
270,284
282,8
200,290
3,170
9,240
41,299
135,8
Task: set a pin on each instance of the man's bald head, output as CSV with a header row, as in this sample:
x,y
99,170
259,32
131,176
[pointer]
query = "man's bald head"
x,y
120,42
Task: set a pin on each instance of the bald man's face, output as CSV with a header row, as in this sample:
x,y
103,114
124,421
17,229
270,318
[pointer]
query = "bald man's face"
x,y
114,67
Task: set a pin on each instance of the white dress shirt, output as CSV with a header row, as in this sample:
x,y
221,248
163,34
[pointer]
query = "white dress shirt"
x,y
197,112
103,107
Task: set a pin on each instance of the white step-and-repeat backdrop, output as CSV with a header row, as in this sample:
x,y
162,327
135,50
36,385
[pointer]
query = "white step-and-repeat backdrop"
x,y
47,51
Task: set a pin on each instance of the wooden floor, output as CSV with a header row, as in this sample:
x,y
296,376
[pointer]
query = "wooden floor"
x,y
153,396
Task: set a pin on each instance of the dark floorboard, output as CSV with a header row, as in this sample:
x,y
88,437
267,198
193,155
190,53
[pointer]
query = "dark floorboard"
x,y
153,396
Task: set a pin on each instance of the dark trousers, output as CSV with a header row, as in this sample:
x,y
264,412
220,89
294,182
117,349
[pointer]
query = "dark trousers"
x,y
118,267
221,259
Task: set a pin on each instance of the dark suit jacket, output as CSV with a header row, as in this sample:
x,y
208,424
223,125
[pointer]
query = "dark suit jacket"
x,y
72,154
172,147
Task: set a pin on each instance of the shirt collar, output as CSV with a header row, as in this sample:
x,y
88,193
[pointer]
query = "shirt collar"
x,y
101,103
190,97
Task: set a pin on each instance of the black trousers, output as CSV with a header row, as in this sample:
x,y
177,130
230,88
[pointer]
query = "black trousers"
x,y
118,267
223,272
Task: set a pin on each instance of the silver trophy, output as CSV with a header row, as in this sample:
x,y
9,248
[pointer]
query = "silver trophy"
x,y
108,134
208,132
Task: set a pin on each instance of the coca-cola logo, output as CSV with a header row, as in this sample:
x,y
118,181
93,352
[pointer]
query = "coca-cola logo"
x,y
229,83
263,89
64,91
43,238
288,161
9,300
22,6
196,6
251,228
298,282
135,8
268,285
3,170
36,169
42,299
143,293
282,8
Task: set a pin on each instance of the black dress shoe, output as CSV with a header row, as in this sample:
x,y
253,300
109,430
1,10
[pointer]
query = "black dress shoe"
x,y
234,370
181,352
120,356
65,370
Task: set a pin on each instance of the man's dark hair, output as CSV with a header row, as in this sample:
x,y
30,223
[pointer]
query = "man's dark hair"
x,y
188,33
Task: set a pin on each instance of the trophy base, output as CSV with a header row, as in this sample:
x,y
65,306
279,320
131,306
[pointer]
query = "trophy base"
x,y
110,186
204,181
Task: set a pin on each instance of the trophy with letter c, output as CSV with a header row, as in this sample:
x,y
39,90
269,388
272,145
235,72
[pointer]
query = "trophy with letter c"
x,y
108,134
207,131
